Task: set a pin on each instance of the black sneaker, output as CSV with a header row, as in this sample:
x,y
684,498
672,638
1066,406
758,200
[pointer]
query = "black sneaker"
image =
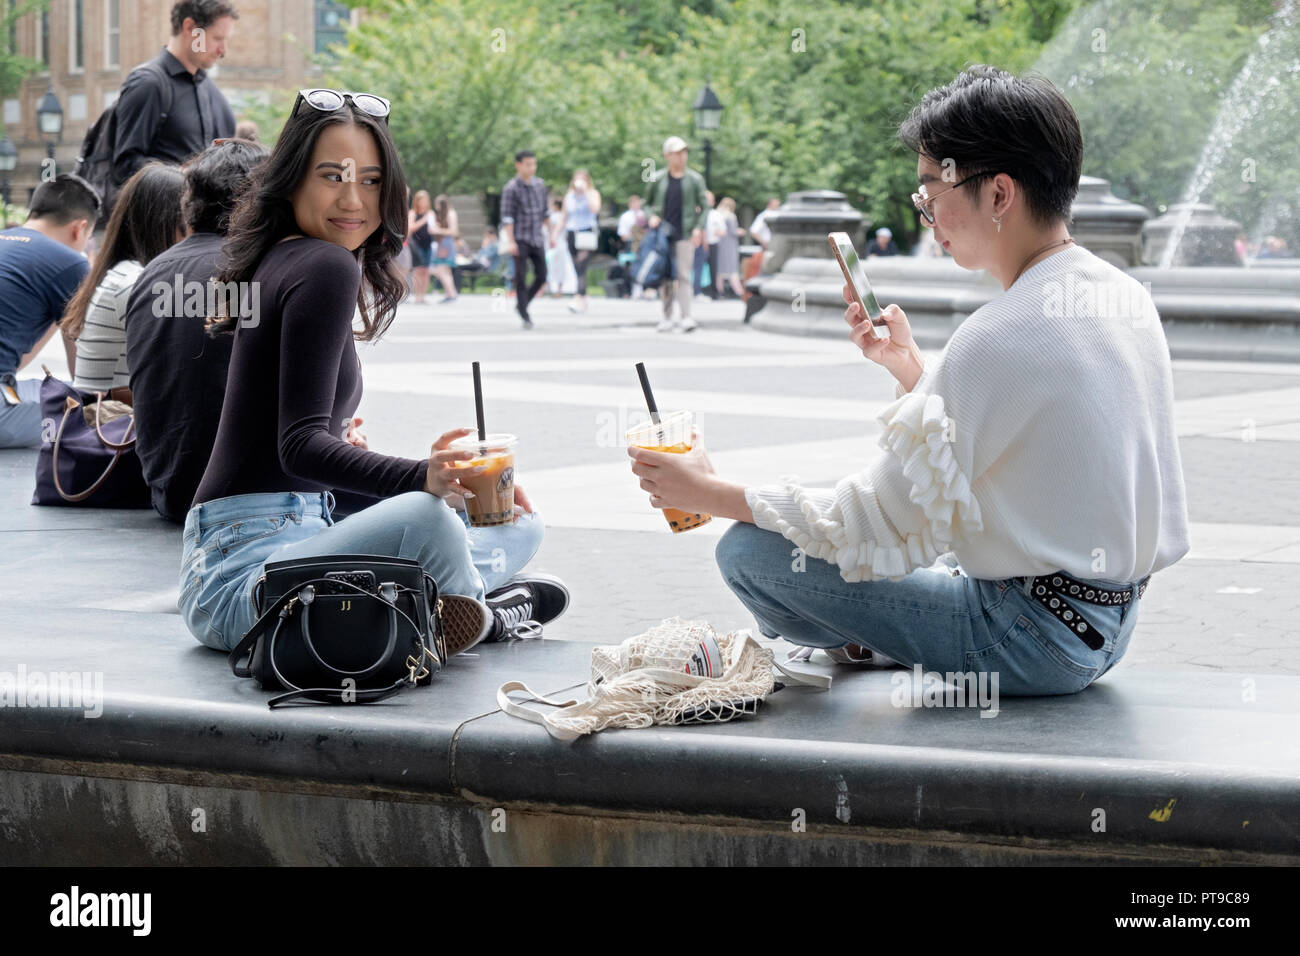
x,y
521,606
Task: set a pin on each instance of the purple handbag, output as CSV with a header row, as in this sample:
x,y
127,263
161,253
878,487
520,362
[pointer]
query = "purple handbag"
x,y
80,464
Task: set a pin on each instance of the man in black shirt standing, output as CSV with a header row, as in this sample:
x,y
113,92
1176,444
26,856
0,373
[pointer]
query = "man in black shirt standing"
x,y
173,122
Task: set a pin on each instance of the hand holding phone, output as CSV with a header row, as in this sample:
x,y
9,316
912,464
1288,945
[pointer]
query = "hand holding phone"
x,y
856,277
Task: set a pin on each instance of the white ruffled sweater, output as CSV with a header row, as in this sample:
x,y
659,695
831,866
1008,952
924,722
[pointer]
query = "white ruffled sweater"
x,y
1041,439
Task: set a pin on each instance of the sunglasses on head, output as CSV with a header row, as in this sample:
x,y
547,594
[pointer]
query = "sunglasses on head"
x,y
327,101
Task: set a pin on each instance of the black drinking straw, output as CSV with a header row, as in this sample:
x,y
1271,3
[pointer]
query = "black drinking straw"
x,y
649,395
478,405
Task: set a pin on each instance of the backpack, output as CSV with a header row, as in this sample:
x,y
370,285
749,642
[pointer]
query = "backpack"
x,y
95,159
654,262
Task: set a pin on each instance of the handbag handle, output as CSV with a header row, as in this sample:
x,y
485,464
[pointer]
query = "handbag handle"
x,y
305,627
69,405
330,695
128,443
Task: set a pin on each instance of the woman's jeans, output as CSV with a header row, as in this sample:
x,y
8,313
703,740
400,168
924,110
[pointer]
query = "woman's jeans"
x,y
228,541
937,617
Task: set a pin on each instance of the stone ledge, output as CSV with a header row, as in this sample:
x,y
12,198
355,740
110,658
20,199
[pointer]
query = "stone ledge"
x,y
1140,745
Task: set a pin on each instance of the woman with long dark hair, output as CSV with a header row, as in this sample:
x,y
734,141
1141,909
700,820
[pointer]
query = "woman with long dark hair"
x,y
313,241
1031,481
146,221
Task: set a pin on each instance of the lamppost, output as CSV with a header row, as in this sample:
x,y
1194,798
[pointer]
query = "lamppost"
x,y
49,117
8,160
708,116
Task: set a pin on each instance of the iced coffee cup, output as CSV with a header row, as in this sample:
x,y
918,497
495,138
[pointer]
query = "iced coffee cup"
x,y
493,488
673,434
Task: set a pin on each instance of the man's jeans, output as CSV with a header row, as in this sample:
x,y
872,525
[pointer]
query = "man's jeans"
x,y
228,541
20,425
680,288
937,617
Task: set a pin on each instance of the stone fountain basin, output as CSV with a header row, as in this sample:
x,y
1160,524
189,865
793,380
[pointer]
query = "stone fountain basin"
x,y
805,297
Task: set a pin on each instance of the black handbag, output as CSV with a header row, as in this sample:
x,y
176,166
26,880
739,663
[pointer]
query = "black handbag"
x,y
343,628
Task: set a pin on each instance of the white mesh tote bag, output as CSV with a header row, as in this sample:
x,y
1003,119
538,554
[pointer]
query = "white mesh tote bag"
x,y
679,672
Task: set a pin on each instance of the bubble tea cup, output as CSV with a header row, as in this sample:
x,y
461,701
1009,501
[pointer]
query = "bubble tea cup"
x,y
674,434
493,488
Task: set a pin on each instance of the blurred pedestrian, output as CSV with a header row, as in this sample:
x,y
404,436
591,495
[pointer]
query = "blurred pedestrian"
x,y
560,276
676,195
631,230
728,245
714,229
445,229
759,228
523,213
883,244
581,230
420,243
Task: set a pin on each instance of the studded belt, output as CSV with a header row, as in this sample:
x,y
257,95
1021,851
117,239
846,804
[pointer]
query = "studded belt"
x,y
1049,589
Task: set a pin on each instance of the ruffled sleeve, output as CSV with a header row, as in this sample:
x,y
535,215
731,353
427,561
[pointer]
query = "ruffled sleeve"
x,y
905,510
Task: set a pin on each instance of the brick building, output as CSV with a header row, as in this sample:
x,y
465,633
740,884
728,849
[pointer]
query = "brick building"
x,y
88,47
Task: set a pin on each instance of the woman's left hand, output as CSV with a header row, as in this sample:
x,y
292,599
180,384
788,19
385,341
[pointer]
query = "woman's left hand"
x,y
355,436
686,481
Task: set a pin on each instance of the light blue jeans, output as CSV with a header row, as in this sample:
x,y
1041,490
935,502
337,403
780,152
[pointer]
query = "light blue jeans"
x,y
940,617
228,541
20,425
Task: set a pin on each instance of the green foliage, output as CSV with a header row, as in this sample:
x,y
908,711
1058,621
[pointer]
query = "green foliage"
x,y
813,93
14,68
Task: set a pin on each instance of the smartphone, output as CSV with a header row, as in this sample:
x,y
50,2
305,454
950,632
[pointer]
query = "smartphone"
x,y
856,277
9,389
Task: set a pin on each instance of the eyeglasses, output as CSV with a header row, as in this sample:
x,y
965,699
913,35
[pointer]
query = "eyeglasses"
x,y
327,101
921,199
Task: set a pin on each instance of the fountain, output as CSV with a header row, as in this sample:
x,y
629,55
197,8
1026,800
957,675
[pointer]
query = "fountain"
x,y
1111,227
1191,234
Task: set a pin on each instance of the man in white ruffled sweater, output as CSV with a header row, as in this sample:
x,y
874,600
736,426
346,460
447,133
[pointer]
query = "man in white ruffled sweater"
x,y
1031,480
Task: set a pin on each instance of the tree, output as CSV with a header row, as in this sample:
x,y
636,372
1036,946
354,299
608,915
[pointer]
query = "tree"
x,y
1147,79
14,68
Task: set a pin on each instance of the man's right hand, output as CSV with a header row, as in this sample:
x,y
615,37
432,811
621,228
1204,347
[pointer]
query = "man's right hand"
x,y
444,477
654,222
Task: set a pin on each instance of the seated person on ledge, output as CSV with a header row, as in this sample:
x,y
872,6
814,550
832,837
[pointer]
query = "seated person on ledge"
x,y
287,433
41,265
146,221
1036,454
178,374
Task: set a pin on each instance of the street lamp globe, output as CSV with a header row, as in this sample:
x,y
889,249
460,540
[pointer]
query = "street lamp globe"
x,y
708,109
8,155
49,114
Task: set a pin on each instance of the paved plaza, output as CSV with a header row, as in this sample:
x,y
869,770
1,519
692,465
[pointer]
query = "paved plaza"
x,y
771,405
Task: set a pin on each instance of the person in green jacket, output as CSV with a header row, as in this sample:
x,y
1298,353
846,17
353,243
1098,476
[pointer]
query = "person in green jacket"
x,y
676,196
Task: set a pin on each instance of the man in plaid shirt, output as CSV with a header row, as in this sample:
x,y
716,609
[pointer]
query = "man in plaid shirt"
x,y
523,211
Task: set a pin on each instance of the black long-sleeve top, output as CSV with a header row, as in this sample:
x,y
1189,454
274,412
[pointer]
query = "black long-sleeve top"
x,y
294,384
